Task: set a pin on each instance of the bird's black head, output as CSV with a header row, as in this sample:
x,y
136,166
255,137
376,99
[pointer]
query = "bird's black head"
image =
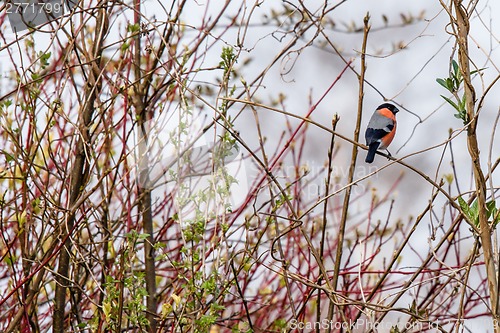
x,y
389,106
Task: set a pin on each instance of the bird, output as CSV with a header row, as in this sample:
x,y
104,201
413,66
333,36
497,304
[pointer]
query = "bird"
x,y
380,130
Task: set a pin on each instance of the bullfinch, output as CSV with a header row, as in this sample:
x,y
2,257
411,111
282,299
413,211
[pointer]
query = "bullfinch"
x,y
380,130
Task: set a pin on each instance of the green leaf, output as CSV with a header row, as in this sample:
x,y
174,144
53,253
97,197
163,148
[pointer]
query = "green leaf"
x,y
133,27
462,104
465,207
206,320
442,82
449,178
143,236
124,46
413,307
491,207
457,81
452,85
44,59
496,218
475,213
464,117
451,103
7,103
477,70
454,64
216,307
280,323
8,157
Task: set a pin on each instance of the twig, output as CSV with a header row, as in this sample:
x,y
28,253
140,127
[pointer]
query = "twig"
x,y
352,167
335,120
461,21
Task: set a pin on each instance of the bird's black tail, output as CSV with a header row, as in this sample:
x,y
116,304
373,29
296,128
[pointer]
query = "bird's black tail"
x,y
372,149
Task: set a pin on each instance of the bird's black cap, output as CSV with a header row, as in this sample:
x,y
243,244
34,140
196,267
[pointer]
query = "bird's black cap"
x,y
389,106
